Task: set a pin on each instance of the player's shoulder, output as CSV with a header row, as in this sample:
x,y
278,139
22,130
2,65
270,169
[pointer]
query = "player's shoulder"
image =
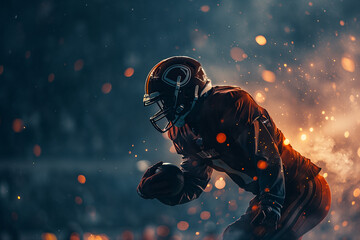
x,y
229,94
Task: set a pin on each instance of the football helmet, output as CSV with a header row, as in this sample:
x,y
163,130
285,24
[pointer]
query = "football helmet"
x,y
174,84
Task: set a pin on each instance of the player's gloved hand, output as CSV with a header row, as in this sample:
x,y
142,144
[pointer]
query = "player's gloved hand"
x,y
153,184
267,216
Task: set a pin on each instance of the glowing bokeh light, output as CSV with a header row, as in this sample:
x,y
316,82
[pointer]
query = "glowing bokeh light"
x,y
205,8
262,164
81,179
78,65
268,76
205,215
51,77
286,141
183,225
237,54
48,236
348,64
260,97
356,192
106,88
221,137
303,137
162,231
129,72
220,183
37,150
142,165
261,40
18,125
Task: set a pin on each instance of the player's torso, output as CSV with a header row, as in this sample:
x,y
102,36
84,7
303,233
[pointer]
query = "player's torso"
x,y
218,151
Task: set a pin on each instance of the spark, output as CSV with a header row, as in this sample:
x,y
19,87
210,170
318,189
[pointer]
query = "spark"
x,y
346,134
286,141
303,137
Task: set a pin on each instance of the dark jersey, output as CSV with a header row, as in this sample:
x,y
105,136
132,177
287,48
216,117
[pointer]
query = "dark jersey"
x,y
231,133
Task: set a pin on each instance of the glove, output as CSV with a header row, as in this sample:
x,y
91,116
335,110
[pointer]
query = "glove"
x,y
153,184
267,216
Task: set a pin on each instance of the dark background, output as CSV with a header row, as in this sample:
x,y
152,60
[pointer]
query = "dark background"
x,y
57,121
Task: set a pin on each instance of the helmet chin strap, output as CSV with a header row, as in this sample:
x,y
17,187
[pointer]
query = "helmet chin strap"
x,y
180,119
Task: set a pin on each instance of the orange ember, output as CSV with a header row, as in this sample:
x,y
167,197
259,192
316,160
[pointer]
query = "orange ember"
x,y
1,69
267,189
260,39
262,164
183,225
106,88
221,137
18,125
37,150
129,72
78,65
81,179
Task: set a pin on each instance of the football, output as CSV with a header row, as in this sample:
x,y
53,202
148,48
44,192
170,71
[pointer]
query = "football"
x,y
174,177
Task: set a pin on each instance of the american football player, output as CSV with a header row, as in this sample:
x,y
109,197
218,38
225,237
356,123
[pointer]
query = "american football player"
x,y
223,128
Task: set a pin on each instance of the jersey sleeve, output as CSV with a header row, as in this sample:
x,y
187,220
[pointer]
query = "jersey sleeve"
x,y
250,127
196,177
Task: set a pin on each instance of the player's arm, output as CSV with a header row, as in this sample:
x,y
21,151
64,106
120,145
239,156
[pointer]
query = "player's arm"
x,y
270,173
249,127
196,176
